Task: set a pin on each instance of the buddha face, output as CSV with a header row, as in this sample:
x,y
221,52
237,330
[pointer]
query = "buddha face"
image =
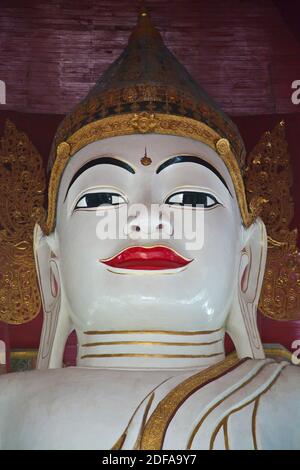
x,y
148,278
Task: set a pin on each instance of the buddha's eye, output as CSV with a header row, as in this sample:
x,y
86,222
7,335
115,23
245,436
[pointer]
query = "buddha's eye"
x,y
91,200
192,198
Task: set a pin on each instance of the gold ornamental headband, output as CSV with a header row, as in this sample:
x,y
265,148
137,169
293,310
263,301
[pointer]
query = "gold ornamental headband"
x,y
144,122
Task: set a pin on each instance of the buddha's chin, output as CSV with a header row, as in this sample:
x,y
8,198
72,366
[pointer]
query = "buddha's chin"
x,y
164,299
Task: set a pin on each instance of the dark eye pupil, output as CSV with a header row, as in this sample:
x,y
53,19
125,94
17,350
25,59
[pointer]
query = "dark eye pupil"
x,y
193,199
96,199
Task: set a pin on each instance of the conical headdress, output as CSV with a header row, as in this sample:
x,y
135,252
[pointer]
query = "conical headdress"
x,y
146,90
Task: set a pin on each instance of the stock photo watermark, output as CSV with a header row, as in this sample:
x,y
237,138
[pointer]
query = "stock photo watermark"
x,y
2,92
296,94
296,352
140,222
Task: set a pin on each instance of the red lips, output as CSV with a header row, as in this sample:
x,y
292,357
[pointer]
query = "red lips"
x,y
152,258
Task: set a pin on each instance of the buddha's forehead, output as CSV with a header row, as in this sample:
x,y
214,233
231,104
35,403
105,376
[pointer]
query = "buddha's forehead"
x,y
132,148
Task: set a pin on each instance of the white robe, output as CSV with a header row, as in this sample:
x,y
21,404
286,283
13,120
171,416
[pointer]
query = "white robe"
x,y
248,404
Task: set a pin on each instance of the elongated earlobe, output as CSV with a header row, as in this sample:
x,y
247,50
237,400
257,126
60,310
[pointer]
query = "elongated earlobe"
x,y
242,321
56,322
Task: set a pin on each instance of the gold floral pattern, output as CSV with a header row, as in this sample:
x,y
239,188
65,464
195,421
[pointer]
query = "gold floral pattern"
x,y
144,98
269,176
22,187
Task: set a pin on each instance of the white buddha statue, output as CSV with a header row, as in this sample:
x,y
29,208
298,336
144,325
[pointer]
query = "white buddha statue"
x,y
150,309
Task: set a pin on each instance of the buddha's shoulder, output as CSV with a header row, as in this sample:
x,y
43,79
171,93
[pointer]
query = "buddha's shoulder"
x,y
64,377
39,386
42,378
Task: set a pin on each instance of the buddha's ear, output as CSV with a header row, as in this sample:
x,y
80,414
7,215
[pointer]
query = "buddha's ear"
x,y
56,322
242,320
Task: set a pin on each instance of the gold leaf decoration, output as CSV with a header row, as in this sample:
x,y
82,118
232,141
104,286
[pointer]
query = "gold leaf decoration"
x,y
269,175
144,122
22,189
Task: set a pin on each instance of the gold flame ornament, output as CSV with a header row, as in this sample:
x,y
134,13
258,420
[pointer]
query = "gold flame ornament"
x,y
22,191
269,175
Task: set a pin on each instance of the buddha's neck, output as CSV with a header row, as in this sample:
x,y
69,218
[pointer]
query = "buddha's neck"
x,y
150,349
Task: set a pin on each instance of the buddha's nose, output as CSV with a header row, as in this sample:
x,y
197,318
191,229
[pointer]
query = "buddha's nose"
x,y
148,222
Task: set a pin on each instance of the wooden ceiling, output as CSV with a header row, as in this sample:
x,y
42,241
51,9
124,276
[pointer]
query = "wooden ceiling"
x,y
245,53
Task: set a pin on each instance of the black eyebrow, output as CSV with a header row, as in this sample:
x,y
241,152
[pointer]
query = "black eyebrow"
x,y
100,161
190,158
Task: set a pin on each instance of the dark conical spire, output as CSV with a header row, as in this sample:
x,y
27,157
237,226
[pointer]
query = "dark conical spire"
x,y
147,61
148,77
144,28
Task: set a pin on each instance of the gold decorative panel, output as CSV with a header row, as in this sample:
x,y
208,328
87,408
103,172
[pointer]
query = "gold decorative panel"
x,y
269,175
22,188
